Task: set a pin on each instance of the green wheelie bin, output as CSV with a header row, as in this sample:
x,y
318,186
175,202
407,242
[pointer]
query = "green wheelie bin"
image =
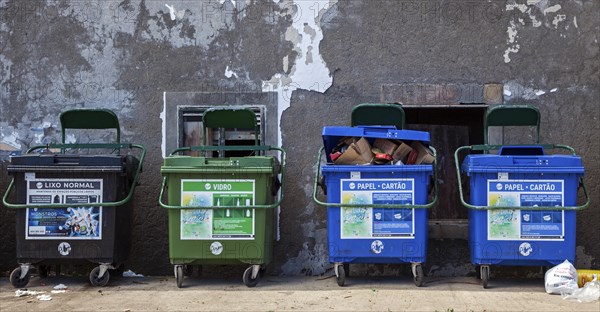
x,y
222,210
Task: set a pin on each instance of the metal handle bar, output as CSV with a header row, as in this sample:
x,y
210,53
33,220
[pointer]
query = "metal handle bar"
x,y
229,148
426,206
496,147
63,146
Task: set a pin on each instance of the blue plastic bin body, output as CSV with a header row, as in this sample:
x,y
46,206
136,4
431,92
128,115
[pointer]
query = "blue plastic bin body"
x,y
396,235
522,237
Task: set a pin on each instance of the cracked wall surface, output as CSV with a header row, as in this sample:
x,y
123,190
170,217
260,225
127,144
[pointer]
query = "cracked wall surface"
x,y
319,57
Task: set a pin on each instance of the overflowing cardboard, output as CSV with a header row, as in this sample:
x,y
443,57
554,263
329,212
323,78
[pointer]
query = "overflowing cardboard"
x,y
357,153
386,146
423,154
401,153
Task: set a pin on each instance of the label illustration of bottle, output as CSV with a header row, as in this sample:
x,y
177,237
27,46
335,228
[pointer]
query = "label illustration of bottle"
x,y
247,210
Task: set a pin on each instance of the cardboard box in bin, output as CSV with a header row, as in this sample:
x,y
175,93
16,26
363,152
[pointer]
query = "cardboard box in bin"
x,y
402,152
385,146
420,154
357,153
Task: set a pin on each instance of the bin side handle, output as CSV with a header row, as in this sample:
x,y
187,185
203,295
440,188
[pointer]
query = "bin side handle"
x,y
426,206
212,148
496,147
271,206
105,204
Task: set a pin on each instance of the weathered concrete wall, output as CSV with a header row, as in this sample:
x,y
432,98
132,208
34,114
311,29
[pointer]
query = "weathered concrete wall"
x,y
320,57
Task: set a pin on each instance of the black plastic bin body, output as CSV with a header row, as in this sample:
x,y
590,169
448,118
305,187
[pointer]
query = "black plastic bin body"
x,y
112,240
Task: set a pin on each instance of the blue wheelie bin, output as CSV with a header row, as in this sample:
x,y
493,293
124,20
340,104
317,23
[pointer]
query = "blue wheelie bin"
x,y
522,202
375,213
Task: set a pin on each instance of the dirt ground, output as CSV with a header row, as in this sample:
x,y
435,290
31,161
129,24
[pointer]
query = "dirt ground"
x,y
275,293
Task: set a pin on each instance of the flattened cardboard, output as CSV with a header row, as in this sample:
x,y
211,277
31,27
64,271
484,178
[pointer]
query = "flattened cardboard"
x,y
385,146
424,155
402,152
358,153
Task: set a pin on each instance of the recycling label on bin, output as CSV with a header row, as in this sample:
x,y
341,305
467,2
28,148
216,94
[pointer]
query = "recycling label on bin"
x,y
64,223
367,222
205,224
512,224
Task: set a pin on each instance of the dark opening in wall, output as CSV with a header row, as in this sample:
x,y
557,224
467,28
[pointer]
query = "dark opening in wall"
x,y
450,127
190,132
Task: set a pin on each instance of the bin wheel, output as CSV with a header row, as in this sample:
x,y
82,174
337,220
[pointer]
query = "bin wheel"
x,y
43,271
179,275
247,278
16,280
485,275
347,269
99,281
419,276
341,277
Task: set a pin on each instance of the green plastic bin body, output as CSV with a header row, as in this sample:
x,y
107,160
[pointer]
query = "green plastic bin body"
x,y
229,180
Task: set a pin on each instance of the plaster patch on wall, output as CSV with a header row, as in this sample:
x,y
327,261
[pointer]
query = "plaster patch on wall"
x,y
230,73
9,138
174,14
191,23
512,32
308,74
553,9
309,261
512,49
514,90
557,19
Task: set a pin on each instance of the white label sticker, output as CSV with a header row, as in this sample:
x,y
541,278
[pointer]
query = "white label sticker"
x,y
355,175
377,246
64,248
216,248
525,249
502,176
29,176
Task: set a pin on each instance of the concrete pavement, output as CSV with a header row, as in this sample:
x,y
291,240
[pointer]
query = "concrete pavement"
x,y
280,293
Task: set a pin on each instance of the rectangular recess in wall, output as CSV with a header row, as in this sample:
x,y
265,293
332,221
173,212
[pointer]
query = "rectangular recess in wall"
x,y
190,131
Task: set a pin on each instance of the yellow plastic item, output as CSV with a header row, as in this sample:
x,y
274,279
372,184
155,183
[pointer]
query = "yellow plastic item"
x,y
584,276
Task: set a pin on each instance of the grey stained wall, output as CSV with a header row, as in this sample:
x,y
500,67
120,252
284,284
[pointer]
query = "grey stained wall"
x,y
317,59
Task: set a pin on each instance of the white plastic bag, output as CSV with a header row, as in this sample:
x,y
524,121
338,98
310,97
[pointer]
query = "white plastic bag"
x,y
588,293
561,279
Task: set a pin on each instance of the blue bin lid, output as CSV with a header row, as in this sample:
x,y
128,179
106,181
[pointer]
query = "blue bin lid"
x,y
333,134
486,163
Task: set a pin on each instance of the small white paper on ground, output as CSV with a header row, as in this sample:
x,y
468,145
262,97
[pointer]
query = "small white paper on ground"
x,y
44,297
130,273
61,291
60,286
25,292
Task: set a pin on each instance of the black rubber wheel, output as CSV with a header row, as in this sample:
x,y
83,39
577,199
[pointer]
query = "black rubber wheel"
x,y
347,269
179,275
16,280
99,281
43,271
247,278
419,278
341,277
485,276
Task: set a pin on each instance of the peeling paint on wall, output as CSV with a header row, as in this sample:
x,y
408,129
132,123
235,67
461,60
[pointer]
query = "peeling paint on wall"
x,y
309,72
552,9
